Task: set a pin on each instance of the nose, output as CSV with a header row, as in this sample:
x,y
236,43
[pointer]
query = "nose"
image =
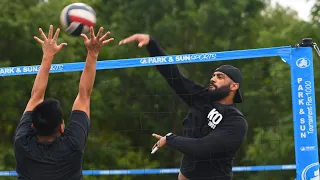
x,y
212,80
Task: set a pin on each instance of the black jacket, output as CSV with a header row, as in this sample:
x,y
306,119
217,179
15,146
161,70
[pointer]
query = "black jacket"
x,y
212,132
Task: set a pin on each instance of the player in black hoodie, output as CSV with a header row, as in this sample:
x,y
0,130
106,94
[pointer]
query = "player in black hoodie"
x,y
214,128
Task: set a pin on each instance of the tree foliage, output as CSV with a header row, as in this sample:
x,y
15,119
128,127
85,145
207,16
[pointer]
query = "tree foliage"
x,y
128,105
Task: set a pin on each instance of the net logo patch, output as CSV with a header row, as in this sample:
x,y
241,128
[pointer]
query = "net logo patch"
x,y
214,118
308,148
303,63
311,172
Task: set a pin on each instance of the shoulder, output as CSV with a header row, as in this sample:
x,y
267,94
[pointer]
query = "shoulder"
x,y
27,115
238,125
24,143
240,120
235,116
66,143
235,111
78,115
231,111
78,119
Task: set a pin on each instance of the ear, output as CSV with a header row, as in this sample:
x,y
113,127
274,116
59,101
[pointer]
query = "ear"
x,y
234,86
32,126
62,128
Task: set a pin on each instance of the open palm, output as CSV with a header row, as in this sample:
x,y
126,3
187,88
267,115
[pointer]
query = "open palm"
x,y
49,44
95,43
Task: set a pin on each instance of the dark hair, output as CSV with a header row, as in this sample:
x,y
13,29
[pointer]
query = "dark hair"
x,y
47,117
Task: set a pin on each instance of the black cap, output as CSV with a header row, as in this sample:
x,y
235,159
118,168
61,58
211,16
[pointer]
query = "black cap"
x,y
234,74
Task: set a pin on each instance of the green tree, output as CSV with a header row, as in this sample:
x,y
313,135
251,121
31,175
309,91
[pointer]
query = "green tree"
x,y
128,105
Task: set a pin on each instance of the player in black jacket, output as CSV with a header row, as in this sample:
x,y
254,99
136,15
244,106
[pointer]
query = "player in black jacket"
x,y
214,128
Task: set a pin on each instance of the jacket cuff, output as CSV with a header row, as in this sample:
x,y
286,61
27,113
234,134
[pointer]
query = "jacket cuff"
x,y
153,47
170,140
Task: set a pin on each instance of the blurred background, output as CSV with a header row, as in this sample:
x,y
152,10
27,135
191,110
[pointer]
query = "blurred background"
x,y
128,105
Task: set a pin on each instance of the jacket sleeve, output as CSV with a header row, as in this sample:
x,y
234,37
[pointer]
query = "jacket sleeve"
x,y
185,88
24,127
226,139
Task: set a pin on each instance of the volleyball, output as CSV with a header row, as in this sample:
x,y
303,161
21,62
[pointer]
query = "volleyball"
x,y
76,18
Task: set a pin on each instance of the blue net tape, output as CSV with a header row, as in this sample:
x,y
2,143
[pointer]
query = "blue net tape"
x,y
284,51
167,171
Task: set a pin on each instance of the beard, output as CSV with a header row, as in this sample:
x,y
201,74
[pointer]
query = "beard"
x,y
218,94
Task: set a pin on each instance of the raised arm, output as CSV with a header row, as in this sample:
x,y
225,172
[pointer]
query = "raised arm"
x,y
79,125
49,49
93,45
185,88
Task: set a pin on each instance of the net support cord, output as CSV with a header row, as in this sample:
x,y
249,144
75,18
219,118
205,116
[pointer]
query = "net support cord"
x,y
299,58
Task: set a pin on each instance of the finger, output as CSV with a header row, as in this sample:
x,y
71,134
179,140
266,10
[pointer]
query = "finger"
x,y
107,41
42,34
100,32
154,150
144,42
37,39
55,37
155,145
121,42
104,36
50,32
127,40
157,136
84,37
61,46
124,41
91,33
141,44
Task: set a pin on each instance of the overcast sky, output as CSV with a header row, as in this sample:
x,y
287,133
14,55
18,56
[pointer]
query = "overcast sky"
x,y
301,6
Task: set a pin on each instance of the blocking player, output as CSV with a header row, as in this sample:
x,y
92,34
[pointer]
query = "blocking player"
x,y
43,147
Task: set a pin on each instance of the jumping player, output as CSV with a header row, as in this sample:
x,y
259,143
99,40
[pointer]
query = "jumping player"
x,y
43,147
214,128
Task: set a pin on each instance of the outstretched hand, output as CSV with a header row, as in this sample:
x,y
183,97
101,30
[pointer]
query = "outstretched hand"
x,y
162,141
49,44
142,39
95,43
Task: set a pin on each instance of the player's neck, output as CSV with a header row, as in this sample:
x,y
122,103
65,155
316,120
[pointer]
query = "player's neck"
x,y
227,100
48,138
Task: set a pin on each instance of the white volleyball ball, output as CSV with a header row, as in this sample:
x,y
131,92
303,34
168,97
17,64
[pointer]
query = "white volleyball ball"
x,y
76,18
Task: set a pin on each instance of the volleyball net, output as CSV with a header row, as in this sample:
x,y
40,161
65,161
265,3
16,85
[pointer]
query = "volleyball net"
x,y
300,60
